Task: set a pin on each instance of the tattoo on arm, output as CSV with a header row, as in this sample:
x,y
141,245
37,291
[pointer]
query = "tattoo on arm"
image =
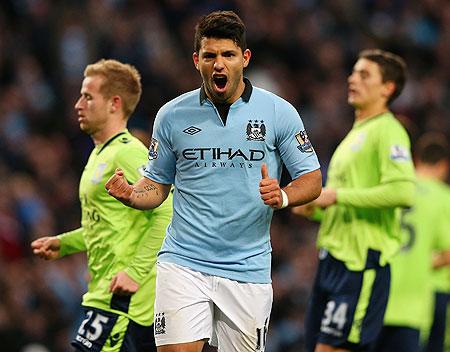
x,y
144,192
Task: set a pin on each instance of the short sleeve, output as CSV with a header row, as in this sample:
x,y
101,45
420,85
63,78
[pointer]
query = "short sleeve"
x,y
295,148
395,154
161,158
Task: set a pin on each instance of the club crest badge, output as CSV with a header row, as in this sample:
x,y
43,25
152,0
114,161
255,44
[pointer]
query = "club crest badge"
x,y
160,324
304,143
153,149
98,173
256,130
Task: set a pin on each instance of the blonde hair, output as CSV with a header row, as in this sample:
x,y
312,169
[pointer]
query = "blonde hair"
x,y
119,79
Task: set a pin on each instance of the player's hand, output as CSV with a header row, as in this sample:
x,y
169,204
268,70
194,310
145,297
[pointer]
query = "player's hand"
x,y
306,210
270,189
327,197
47,247
122,284
118,187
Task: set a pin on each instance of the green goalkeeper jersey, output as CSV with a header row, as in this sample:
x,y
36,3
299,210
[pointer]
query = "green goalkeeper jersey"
x,y
117,237
373,174
425,227
441,276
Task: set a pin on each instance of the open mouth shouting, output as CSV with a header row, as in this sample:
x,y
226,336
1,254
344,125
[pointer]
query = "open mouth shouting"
x,y
220,83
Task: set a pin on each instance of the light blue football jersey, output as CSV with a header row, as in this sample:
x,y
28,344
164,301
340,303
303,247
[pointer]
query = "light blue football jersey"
x,y
220,225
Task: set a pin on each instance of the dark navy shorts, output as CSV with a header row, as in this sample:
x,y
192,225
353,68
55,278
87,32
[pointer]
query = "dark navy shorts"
x,y
346,308
398,339
438,330
102,331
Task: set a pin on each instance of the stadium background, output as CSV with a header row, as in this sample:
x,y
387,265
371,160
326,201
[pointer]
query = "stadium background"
x,y
302,49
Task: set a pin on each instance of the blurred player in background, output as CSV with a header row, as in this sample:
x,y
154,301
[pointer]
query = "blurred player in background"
x,y
370,175
222,145
425,228
436,165
121,243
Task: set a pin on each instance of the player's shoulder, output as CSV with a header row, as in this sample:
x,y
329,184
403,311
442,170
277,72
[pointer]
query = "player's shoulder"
x,y
259,93
444,190
389,120
388,127
266,100
126,145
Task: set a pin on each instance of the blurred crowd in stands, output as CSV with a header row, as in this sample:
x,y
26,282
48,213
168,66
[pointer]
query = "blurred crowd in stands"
x,y
303,50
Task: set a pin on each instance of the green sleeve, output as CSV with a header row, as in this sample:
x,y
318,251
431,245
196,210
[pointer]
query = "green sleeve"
x,y
145,257
317,215
393,194
72,242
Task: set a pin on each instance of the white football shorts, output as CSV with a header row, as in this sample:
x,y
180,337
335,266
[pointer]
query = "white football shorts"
x,y
192,306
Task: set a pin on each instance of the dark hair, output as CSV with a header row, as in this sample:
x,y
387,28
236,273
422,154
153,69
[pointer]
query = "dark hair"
x,y
392,68
221,25
431,148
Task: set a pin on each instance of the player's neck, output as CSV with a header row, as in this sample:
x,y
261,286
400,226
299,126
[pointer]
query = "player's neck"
x,y
108,131
434,172
365,113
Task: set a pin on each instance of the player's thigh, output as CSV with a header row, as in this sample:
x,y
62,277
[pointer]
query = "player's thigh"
x,y
354,307
316,306
183,309
102,331
138,338
242,315
196,346
397,339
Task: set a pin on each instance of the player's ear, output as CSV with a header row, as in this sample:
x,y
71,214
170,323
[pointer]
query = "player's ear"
x,y
195,59
116,104
247,54
389,89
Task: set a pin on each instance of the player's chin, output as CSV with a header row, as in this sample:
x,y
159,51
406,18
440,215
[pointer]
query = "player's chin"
x,y
84,127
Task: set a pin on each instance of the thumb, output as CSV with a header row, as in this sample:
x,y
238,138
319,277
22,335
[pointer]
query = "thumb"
x,y
264,171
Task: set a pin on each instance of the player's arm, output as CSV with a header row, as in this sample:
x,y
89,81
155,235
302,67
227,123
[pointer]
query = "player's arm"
x,y
392,194
144,194
309,210
300,191
53,247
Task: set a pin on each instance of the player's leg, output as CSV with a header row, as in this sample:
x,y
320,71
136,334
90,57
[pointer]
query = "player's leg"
x,y
316,306
354,311
241,315
397,339
102,331
183,309
437,332
138,338
195,346
327,348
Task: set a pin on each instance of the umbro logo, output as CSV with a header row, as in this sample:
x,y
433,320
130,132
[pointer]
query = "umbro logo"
x,y
192,130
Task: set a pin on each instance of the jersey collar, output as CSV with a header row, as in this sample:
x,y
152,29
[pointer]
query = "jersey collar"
x,y
246,94
108,142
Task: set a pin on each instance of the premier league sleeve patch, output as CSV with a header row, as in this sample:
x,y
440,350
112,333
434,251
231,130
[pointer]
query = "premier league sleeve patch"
x,y
153,149
400,153
304,143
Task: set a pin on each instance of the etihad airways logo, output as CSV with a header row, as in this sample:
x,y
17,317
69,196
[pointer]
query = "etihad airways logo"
x,y
223,154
